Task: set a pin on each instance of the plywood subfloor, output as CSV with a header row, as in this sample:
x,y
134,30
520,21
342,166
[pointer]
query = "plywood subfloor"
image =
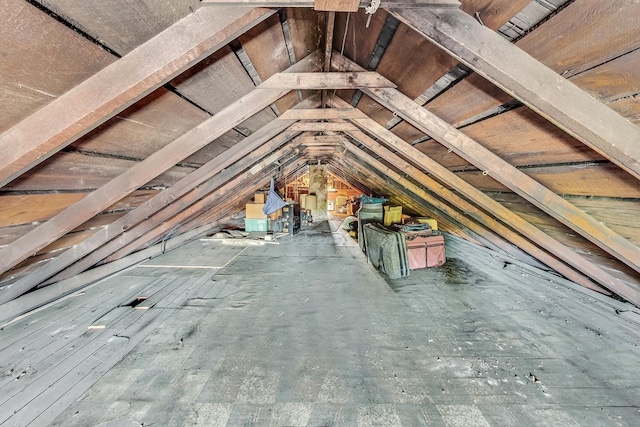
x,y
306,333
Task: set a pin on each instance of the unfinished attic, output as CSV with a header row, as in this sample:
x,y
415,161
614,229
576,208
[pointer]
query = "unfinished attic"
x,y
136,134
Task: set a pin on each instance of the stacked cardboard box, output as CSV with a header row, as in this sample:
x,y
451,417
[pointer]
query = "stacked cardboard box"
x,y
255,219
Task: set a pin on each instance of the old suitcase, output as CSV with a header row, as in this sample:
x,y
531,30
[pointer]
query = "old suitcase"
x,y
425,251
387,250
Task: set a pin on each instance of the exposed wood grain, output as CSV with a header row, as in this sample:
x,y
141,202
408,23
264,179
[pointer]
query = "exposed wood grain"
x,y
145,127
320,114
584,35
24,209
326,80
303,126
486,221
341,5
236,189
564,235
121,25
204,180
267,50
9,234
36,208
142,172
305,31
598,180
77,172
508,175
483,201
31,41
520,137
613,80
629,108
92,102
429,62
539,87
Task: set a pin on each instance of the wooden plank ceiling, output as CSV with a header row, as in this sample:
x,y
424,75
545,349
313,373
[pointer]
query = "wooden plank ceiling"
x,y
127,123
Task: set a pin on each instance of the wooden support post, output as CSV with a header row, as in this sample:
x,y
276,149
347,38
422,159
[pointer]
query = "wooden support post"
x,y
328,49
540,88
503,172
120,85
138,175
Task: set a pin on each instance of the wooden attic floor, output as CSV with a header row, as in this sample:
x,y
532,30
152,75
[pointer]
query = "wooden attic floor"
x,y
307,333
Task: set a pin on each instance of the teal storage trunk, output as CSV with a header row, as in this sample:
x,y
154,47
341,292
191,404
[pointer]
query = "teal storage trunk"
x,y
256,225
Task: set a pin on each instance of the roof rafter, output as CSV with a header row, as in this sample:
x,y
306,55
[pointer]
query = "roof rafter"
x,y
508,175
539,87
462,206
119,85
152,166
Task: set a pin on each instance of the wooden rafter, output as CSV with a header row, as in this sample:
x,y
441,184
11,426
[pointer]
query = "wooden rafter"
x,y
539,87
138,175
169,201
155,228
511,177
222,185
311,3
119,85
463,206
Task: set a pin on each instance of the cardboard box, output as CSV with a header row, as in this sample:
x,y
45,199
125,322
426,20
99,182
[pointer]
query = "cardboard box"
x,y
254,211
259,198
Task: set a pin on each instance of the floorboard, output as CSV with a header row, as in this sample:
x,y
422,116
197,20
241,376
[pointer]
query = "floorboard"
x,y
305,332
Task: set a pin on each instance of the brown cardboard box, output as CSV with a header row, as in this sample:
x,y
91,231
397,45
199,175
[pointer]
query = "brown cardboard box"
x,y
254,211
259,198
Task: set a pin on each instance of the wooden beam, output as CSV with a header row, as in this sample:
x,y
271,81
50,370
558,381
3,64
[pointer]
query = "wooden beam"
x,y
217,189
43,296
234,190
138,175
320,114
119,85
306,126
485,202
235,198
327,80
328,49
500,170
488,222
169,202
310,3
401,194
311,140
539,87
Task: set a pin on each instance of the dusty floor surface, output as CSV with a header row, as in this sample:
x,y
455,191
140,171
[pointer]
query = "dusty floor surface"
x,y
306,333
